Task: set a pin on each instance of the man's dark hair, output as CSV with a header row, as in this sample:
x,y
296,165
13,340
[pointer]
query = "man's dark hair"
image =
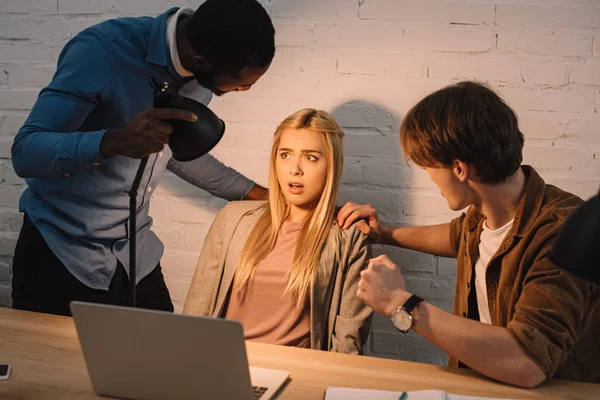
x,y
467,122
232,34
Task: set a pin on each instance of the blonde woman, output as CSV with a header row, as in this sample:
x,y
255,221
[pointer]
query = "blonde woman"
x,y
283,268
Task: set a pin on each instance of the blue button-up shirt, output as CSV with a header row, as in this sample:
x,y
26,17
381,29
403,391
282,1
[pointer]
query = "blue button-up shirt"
x,y
75,197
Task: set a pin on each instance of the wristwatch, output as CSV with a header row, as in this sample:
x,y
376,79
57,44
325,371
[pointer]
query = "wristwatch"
x,y
402,317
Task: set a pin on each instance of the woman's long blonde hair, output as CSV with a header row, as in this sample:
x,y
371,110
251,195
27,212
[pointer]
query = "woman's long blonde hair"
x,y
315,229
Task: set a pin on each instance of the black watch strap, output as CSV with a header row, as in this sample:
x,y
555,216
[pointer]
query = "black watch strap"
x,y
412,302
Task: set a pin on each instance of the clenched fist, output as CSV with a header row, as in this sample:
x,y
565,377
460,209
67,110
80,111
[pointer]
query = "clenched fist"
x,y
382,286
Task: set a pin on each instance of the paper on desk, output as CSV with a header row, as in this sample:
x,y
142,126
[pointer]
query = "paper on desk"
x,y
338,393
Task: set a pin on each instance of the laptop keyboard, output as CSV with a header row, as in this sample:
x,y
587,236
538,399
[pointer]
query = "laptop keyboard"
x,y
259,391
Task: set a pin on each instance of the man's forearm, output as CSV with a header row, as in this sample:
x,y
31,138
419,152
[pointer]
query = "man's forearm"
x,y
210,174
490,350
40,154
433,239
51,143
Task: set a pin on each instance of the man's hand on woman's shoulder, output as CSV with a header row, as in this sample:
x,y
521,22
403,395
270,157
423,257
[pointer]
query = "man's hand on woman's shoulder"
x,y
352,212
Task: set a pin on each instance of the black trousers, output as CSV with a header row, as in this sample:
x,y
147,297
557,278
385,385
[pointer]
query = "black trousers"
x,y
42,283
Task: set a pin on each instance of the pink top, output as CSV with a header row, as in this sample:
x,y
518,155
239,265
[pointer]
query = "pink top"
x,y
267,314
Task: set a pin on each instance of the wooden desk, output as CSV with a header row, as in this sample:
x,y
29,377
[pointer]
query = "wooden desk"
x,y
47,364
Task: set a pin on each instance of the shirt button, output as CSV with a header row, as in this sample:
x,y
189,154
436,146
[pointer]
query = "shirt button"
x,y
66,175
96,164
160,154
149,188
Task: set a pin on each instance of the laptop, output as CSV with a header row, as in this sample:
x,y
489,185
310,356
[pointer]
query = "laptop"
x,y
150,355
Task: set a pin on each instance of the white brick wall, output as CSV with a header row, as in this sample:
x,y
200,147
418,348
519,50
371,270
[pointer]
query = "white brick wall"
x,y
367,61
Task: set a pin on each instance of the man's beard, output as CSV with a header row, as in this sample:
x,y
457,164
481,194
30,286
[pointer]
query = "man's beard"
x,y
207,80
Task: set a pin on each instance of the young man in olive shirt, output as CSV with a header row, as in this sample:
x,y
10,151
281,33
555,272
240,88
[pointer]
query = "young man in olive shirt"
x,y
517,317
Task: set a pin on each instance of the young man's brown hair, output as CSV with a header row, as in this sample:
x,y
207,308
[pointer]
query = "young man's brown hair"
x,y
467,122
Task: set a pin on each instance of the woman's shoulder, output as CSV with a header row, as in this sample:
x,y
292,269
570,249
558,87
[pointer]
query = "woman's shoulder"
x,y
234,211
241,208
347,244
351,235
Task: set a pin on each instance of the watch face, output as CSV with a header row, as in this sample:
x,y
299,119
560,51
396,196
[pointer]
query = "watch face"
x,y
402,320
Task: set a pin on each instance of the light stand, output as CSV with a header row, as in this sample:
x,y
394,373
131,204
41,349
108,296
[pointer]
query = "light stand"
x,y
189,141
133,229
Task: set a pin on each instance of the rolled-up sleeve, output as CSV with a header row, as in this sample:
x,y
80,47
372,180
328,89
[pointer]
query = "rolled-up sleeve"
x,y
551,311
456,227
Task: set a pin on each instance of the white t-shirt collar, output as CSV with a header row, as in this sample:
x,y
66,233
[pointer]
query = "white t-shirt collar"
x,y
172,40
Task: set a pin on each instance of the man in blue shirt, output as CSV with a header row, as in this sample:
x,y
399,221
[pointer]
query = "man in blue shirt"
x,y
80,147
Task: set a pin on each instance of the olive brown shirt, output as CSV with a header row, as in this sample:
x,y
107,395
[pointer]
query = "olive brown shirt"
x,y
553,315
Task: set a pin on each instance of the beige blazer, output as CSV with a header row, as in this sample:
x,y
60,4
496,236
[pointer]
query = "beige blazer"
x,y
339,321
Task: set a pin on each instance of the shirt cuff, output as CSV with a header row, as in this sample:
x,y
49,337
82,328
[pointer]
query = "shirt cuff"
x,y
247,185
456,227
545,354
88,148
